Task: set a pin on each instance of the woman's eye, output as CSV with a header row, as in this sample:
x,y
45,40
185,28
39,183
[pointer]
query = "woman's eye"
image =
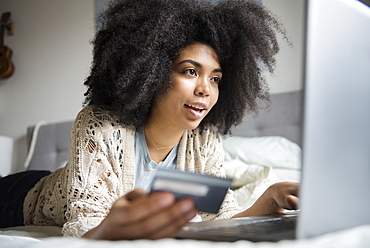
x,y
216,80
191,72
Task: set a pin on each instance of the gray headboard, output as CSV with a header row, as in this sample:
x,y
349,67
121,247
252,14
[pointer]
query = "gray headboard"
x,y
51,145
51,149
283,118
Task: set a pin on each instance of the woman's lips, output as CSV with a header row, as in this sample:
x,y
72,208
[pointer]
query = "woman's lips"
x,y
195,110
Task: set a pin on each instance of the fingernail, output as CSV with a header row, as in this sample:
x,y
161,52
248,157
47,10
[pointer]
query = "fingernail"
x,y
191,215
186,206
164,201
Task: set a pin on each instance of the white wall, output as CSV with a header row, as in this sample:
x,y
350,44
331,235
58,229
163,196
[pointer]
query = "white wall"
x,y
289,66
52,56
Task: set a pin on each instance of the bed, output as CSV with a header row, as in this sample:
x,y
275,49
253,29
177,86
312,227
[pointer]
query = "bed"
x,y
261,151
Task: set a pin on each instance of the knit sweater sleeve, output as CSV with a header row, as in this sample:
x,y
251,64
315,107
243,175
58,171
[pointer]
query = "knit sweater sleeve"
x,y
201,151
98,171
214,166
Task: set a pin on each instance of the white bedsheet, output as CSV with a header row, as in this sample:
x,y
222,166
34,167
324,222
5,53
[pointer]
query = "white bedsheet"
x,y
357,237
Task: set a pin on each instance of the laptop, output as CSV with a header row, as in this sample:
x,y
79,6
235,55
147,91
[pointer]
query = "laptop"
x,y
336,134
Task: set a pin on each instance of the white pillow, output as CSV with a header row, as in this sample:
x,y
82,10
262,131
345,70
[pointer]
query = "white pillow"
x,y
243,174
249,181
274,151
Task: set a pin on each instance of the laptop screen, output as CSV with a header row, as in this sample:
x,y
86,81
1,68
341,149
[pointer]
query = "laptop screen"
x,y
336,129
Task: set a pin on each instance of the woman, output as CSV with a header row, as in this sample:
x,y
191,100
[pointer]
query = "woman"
x,y
168,78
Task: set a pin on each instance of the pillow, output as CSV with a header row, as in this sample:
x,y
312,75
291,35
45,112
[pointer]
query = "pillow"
x,y
243,174
249,181
274,151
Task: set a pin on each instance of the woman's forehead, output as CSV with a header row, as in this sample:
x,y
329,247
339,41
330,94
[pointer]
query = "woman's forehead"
x,y
198,52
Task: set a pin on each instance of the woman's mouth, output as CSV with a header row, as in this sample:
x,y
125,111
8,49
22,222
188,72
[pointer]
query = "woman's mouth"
x,y
195,110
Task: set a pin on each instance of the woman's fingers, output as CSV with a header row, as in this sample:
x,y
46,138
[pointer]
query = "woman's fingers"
x,y
139,215
164,223
136,194
286,195
292,202
144,207
168,223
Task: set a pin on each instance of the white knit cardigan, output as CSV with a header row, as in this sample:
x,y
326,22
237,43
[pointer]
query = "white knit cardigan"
x,y
101,168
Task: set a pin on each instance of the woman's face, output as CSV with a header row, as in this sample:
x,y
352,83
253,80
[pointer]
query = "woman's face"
x,y
196,74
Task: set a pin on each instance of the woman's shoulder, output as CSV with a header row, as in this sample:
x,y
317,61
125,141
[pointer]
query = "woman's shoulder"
x,y
97,113
93,117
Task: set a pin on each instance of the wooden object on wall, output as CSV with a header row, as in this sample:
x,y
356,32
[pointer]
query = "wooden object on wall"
x,y
6,65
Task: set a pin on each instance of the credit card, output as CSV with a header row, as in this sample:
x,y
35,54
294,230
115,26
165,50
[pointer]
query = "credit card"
x,y
207,192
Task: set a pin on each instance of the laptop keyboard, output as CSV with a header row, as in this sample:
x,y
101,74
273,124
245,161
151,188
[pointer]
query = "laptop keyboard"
x,y
260,230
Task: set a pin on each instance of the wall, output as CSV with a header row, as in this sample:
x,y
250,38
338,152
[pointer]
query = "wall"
x,y
289,66
52,56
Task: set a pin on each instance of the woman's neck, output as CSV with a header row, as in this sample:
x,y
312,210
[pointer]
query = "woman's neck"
x,y
161,140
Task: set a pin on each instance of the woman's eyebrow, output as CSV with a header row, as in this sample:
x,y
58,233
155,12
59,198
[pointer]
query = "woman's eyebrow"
x,y
218,70
196,64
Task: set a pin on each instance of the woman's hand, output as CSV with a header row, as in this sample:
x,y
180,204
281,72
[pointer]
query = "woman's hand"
x,y
277,198
138,215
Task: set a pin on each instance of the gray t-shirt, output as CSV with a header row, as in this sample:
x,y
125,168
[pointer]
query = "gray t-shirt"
x,y
145,167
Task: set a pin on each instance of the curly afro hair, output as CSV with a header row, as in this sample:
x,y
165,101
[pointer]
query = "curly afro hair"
x,y
139,39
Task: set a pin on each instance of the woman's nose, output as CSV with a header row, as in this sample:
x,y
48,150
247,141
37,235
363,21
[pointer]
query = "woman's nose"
x,y
202,88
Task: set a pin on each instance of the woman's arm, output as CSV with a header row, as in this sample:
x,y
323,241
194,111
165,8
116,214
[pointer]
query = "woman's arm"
x,y
208,158
277,198
96,174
